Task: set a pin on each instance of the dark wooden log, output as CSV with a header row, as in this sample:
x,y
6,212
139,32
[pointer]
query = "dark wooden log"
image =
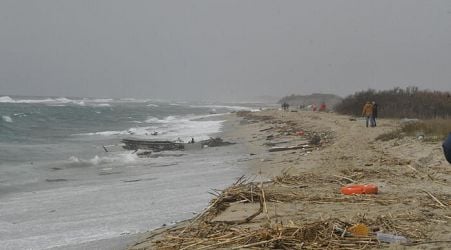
x,y
135,144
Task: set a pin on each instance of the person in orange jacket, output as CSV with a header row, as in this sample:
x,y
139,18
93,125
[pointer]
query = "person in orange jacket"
x,y
367,112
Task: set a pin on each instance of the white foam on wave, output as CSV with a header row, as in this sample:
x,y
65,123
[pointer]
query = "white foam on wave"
x,y
122,158
104,100
106,133
172,128
102,105
6,99
168,119
134,100
152,105
7,118
185,127
60,101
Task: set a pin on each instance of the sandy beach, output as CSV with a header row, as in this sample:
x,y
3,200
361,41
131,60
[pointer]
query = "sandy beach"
x,y
291,198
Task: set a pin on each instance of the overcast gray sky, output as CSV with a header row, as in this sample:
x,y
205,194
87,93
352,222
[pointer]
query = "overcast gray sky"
x,y
221,49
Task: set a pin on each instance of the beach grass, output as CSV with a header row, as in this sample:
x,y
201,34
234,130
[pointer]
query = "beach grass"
x,y
431,130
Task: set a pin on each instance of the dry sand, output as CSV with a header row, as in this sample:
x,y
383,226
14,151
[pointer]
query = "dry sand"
x,y
413,177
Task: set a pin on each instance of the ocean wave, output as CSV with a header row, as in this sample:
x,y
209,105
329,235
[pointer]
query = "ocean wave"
x,y
168,119
6,99
106,133
171,128
97,160
134,100
60,101
104,100
7,118
102,105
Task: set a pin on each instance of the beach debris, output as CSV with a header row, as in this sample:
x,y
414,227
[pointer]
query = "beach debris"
x,y
215,142
144,154
157,146
300,133
391,238
203,232
435,199
134,180
261,230
266,129
315,140
359,229
135,144
359,189
269,137
277,149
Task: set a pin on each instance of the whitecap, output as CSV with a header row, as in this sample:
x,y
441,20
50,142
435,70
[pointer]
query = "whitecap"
x,y
106,133
7,118
97,160
50,101
102,105
6,99
104,100
198,127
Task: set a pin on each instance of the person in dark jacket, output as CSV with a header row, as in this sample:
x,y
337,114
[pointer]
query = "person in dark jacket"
x,y
447,148
373,115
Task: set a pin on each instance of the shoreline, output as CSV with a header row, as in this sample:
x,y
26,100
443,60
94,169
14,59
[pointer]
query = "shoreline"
x,y
347,152
228,133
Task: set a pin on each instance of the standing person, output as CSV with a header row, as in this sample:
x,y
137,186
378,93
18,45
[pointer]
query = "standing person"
x,y
367,112
447,148
374,115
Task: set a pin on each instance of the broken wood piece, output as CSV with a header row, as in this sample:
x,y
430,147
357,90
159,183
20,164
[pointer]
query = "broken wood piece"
x,y
266,129
134,144
435,198
277,149
246,220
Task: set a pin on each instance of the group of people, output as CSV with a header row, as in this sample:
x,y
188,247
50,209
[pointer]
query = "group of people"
x,y
285,106
370,113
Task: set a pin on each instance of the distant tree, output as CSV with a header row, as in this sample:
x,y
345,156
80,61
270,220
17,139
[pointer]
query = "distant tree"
x,y
305,100
400,103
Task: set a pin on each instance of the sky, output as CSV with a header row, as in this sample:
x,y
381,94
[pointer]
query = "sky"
x,y
221,50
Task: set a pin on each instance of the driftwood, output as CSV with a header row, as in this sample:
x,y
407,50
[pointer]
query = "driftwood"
x,y
215,142
135,144
277,149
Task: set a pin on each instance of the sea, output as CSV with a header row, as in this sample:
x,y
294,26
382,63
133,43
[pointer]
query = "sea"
x,y
67,183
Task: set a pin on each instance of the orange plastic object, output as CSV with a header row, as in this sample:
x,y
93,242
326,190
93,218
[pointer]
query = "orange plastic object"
x,y
359,230
359,189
